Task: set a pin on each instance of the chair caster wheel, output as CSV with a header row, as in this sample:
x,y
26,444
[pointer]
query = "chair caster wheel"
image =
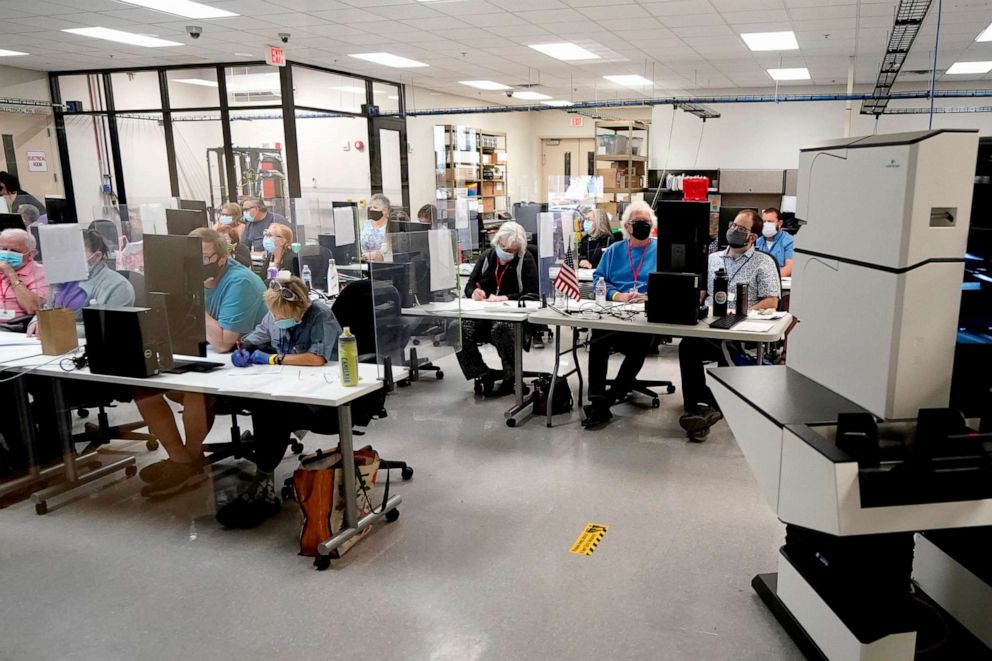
x,y
83,413
439,375
655,403
287,492
407,473
297,448
246,435
436,343
130,471
151,446
322,562
405,383
41,508
392,515
510,422
416,343
477,387
670,390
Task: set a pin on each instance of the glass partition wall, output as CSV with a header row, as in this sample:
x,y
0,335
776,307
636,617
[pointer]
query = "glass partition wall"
x,y
301,137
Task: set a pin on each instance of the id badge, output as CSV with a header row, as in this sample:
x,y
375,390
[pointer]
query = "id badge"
x,y
7,315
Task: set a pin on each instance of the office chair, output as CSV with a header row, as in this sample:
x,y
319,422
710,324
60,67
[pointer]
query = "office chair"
x,y
101,432
317,258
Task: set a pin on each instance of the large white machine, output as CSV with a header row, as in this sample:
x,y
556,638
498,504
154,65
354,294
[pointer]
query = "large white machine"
x,y
851,442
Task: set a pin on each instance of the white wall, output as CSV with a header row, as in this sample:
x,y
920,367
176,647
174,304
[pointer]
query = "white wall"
x,y
31,131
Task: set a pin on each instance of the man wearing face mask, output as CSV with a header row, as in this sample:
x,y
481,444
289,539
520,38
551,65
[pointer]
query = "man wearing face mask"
x,y
775,242
742,263
375,243
625,266
22,280
233,305
257,219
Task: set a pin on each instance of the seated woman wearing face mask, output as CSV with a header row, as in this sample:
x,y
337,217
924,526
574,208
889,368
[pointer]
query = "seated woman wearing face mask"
x,y
505,272
596,237
375,242
277,242
625,266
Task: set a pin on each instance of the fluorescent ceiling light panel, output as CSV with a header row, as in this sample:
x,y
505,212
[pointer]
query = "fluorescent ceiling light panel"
x,y
485,85
389,60
565,51
182,8
556,103
770,40
629,80
530,96
970,67
10,53
985,35
798,73
244,55
202,82
122,37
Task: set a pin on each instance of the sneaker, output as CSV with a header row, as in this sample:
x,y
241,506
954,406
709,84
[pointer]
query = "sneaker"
x,y
596,415
505,388
252,507
174,477
697,423
155,471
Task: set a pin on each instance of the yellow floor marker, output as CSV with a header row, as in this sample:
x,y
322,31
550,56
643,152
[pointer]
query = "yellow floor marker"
x,y
588,539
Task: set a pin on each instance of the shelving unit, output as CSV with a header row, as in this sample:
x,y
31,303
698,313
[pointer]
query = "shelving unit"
x,y
622,160
473,161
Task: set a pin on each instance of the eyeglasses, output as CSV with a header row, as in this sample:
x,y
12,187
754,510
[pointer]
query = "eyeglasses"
x,y
739,228
286,293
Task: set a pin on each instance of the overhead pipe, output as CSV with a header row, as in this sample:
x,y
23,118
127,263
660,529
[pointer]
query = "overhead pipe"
x,y
681,100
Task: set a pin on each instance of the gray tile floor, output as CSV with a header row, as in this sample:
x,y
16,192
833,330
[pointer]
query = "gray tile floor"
x,y
476,568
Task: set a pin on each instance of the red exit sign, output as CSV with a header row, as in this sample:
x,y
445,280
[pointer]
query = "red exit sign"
x,y
275,56
577,120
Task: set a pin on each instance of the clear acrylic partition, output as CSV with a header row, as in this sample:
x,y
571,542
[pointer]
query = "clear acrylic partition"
x,y
415,295
552,228
458,181
576,196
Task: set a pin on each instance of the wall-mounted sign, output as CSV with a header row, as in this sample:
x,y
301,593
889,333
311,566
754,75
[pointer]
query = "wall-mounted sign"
x,y
37,161
275,56
577,120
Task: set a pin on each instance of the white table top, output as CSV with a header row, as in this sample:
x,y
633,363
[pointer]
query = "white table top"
x,y
320,386
467,308
638,323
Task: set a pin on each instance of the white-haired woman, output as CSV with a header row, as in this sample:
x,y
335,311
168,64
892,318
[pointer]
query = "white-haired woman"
x,y
624,267
597,235
505,272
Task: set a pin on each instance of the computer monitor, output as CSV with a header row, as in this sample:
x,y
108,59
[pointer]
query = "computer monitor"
x,y
180,222
57,210
683,237
413,248
11,221
398,226
526,214
342,255
396,274
196,205
174,268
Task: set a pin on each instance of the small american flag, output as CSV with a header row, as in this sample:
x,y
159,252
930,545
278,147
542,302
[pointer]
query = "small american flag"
x,y
566,281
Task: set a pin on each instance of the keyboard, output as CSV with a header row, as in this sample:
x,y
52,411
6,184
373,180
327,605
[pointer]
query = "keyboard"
x,y
183,366
728,322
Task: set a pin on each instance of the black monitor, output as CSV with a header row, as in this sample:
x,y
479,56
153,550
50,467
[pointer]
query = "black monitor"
x,y
180,222
57,210
398,226
413,248
396,274
342,255
683,237
11,221
196,205
527,213
174,268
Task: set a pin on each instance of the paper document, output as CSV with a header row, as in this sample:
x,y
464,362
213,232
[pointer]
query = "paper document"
x,y
754,314
255,371
65,257
344,226
754,326
788,204
152,219
442,259
546,234
461,213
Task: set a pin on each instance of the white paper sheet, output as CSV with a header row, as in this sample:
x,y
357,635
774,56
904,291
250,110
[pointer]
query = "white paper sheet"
x,y
754,326
65,258
257,371
442,260
546,234
461,213
344,226
152,219
788,204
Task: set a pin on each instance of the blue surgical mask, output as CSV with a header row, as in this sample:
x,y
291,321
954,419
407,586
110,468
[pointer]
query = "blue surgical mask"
x,y
12,257
226,220
269,245
247,215
286,324
504,255
587,226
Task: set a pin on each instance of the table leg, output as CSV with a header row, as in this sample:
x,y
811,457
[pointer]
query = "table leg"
x,y
554,374
761,352
520,402
575,357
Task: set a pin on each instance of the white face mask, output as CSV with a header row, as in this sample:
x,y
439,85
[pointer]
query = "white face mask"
x,y
769,229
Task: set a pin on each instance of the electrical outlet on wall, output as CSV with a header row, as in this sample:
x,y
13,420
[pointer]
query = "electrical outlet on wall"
x,y
347,145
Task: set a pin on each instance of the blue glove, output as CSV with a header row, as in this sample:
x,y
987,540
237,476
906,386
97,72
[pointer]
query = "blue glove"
x,y
260,357
240,358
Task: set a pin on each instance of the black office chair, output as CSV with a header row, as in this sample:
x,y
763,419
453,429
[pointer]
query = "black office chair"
x,y
317,258
102,432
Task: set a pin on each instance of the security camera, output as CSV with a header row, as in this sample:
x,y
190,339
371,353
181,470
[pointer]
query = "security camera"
x,y
284,37
194,31
509,94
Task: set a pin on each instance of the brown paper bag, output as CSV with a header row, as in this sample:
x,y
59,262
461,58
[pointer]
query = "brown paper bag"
x,y
57,330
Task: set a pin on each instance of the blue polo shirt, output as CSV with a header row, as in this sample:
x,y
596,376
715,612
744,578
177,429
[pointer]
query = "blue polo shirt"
x,y
237,301
781,248
620,262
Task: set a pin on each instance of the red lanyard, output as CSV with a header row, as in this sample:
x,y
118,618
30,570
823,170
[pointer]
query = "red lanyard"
x,y
499,276
630,258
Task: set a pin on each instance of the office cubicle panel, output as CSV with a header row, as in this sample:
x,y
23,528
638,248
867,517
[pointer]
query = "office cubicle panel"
x,y
180,222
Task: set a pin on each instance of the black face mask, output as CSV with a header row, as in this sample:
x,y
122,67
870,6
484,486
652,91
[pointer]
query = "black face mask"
x,y
374,214
640,229
211,270
736,239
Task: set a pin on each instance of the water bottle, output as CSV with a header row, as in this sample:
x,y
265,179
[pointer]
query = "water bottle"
x,y
307,277
348,357
742,298
272,272
720,284
333,286
600,290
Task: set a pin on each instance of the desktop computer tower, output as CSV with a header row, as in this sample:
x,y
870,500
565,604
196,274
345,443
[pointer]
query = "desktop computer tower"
x,y
120,341
673,298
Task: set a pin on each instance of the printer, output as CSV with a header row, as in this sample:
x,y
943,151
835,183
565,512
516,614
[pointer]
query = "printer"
x,y
885,491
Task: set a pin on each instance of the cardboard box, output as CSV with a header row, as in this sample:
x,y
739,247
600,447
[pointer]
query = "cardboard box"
x,y
611,177
488,204
57,330
491,188
461,174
